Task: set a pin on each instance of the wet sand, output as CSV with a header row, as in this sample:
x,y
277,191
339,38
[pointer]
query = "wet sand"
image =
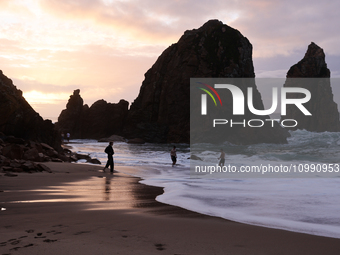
x,y
77,209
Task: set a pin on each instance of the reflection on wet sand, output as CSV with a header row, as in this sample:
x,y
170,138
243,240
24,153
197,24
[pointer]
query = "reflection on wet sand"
x,y
107,190
102,192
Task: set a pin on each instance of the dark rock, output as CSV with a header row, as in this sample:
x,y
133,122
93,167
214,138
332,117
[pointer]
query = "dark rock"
x,y
136,141
102,119
12,139
34,155
82,156
67,151
70,119
194,157
36,146
10,175
113,138
13,151
18,170
161,112
15,164
64,158
2,159
6,168
20,120
46,146
43,167
313,64
73,158
94,161
325,114
52,153
28,166
56,160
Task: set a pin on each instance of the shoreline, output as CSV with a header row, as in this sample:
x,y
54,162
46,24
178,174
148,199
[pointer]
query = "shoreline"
x,y
92,212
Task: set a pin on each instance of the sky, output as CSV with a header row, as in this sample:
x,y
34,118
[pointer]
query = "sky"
x,y
49,48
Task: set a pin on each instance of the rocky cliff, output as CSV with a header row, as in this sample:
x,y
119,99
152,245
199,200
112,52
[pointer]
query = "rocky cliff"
x,y
17,117
102,119
325,115
161,112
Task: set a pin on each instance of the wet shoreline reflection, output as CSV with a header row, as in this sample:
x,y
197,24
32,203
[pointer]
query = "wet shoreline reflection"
x,y
102,192
107,190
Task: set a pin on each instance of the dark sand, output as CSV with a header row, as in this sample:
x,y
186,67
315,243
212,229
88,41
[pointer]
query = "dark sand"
x,y
77,209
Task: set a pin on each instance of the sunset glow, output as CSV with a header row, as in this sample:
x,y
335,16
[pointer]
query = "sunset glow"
x,y
36,98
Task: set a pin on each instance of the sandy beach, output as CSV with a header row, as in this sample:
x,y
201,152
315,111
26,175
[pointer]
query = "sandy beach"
x,y
78,209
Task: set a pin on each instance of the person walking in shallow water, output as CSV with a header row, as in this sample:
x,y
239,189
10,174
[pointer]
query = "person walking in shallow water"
x,y
173,155
109,151
221,158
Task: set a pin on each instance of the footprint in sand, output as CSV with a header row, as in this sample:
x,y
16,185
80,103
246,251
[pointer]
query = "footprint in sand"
x,y
81,232
50,241
160,246
15,242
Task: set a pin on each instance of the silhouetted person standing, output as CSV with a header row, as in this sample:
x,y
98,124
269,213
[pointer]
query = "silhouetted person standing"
x,y
221,158
109,151
173,155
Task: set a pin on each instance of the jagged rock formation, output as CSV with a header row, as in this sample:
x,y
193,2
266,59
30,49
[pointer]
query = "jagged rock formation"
x,y
17,117
325,115
161,112
19,155
102,119
71,119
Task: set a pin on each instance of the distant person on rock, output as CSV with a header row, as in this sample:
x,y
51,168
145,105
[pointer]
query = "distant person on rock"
x,y
68,137
221,158
173,155
109,151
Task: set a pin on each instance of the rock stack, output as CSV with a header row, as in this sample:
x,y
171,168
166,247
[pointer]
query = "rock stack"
x,y
325,114
161,112
102,119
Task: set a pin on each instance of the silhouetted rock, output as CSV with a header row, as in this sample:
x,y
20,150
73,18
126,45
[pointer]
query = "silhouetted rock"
x,y
161,112
313,64
325,115
113,138
100,120
13,151
20,120
70,119
105,119
194,157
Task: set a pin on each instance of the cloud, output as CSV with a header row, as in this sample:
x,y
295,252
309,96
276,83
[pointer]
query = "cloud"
x,y
283,27
274,27
128,18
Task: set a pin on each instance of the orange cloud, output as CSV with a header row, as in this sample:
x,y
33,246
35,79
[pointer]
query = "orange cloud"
x,y
128,18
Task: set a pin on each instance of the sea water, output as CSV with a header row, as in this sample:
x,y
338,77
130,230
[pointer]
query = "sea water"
x,y
307,205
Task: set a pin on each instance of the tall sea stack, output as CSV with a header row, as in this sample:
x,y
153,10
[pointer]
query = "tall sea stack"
x,y
325,115
161,112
